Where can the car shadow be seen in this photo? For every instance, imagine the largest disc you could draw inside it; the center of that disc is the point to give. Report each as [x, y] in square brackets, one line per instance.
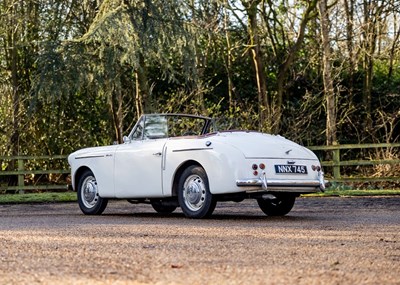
[216, 217]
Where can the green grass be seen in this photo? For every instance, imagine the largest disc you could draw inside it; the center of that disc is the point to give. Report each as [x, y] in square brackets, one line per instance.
[49, 197]
[55, 197]
[350, 193]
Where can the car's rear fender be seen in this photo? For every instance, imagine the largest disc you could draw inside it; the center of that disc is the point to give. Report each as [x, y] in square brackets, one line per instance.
[218, 160]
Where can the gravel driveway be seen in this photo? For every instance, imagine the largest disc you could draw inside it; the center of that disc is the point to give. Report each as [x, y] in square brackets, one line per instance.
[322, 241]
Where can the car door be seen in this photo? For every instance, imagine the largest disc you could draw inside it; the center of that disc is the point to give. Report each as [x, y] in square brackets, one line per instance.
[138, 169]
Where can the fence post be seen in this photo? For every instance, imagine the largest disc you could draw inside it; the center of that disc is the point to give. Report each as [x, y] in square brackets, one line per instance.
[21, 177]
[336, 162]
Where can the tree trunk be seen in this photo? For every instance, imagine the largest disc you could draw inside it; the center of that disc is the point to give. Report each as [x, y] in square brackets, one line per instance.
[276, 104]
[256, 58]
[349, 10]
[143, 91]
[142, 95]
[331, 130]
[395, 43]
[117, 113]
[14, 140]
[138, 98]
[228, 60]
[368, 45]
[372, 14]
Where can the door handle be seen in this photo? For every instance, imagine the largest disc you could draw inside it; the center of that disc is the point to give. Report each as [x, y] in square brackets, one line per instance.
[157, 154]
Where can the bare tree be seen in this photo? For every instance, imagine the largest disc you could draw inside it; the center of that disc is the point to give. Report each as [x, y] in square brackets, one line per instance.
[372, 13]
[395, 5]
[331, 132]
[349, 14]
[308, 14]
[256, 56]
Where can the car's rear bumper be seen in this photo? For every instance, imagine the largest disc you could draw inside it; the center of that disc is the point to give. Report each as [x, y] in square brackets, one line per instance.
[291, 185]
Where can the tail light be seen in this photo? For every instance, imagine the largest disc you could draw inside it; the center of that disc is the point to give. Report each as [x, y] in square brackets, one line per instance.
[316, 167]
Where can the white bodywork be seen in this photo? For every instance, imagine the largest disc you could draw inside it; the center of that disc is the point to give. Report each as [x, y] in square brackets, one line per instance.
[149, 168]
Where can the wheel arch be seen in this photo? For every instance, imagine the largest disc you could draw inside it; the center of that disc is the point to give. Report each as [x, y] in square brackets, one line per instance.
[78, 174]
[179, 172]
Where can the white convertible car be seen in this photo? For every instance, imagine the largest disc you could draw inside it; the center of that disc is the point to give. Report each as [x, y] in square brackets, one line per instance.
[175, 160]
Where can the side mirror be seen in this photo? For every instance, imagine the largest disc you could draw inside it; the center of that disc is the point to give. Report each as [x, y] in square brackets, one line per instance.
[126, 139]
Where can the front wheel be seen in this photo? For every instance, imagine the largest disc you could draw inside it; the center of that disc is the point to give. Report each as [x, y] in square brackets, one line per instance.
[88, 195]
[194, 194]
[277, 205]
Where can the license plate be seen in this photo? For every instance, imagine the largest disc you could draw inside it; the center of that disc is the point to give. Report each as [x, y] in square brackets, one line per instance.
[289, 169]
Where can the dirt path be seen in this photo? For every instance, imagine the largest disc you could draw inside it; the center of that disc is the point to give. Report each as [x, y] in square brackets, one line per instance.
[322, 241]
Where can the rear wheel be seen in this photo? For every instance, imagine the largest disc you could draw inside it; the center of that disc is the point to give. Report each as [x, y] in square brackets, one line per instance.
[277, 205]
[88, 195]
[194, 194]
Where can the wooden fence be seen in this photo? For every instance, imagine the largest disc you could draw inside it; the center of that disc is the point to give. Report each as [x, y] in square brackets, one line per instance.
[333, 167]
[26, 172]
[337, 162]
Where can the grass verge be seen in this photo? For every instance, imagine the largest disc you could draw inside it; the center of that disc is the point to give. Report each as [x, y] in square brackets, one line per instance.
[350, 193]
[49, 197]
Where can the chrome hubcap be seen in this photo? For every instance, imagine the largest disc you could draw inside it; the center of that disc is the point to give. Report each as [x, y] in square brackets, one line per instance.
[194, 192]
[89, 192]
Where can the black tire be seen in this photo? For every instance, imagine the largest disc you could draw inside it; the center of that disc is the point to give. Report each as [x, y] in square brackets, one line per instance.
[194, 195]
[163, 208]
[281, 205]
[89, 200]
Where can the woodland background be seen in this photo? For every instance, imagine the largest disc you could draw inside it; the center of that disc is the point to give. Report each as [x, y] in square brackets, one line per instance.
[79, 73]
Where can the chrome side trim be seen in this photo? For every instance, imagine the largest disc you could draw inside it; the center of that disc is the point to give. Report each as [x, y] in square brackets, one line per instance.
[164, 157]
[91, 156]
[191, 149]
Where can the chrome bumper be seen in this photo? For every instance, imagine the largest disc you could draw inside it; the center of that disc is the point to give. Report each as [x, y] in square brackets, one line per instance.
[283, 183]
